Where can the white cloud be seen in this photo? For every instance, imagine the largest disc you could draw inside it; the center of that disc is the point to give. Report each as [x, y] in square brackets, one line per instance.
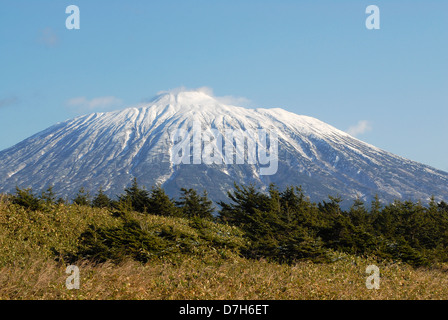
[229, 100]
[361, 127]
[237, 101]
[232, 100]
[82, 104]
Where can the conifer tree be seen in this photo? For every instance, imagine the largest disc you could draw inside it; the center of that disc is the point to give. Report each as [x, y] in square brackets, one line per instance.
[161, 204]
[331, 208]
[137, 197]
[207, 208]
[48, 196]
[82, 198]
[101, 200]
[26, 199]
[443, 206]
[193, 205]
[358, 213]
[61, 201]
[246, 199]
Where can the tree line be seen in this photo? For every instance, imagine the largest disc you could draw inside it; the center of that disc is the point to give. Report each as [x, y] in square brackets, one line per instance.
[285, 226]
[135, 198]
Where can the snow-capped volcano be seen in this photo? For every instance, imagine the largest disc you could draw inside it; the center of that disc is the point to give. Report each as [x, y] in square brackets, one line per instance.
[108, 149]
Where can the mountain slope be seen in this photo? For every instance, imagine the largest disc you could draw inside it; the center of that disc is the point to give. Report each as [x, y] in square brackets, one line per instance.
[108, 149]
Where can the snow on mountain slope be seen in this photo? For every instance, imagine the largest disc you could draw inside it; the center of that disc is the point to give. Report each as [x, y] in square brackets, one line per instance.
[108, 149]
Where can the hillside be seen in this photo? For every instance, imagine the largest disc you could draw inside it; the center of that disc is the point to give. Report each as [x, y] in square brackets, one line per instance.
[143, 256]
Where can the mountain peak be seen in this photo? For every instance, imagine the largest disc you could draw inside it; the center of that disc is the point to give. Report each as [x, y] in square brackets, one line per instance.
[184, 97]
[106, 150]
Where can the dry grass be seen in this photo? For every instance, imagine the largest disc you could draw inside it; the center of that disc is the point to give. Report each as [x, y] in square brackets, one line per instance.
[28, 269]
[239, 279]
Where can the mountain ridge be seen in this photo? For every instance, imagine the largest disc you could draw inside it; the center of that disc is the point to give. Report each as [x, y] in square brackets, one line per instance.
[108, 149]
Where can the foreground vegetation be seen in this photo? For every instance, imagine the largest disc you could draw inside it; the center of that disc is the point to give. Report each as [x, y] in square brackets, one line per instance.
[277, 245]
[196, 278]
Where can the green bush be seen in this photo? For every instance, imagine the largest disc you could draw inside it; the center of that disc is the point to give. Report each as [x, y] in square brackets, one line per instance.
[140, 240]
[115, 244]
[283, 226]
[26, 199]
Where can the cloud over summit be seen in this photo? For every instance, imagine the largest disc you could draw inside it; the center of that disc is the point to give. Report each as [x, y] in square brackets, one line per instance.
[361, 127]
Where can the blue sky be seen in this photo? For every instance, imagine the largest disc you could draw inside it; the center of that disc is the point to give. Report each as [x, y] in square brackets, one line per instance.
[317, 58]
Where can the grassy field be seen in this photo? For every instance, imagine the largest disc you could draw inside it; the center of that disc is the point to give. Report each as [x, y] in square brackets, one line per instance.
[211, 268]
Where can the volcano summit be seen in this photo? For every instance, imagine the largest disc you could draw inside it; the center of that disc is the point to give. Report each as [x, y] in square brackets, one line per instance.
[156, 144]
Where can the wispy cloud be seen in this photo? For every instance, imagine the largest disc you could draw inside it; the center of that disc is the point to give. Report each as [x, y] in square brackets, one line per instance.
[48, 37]
[232, 100]
[229, 100]
[5, 102]
[361, 127]
[82, 104]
